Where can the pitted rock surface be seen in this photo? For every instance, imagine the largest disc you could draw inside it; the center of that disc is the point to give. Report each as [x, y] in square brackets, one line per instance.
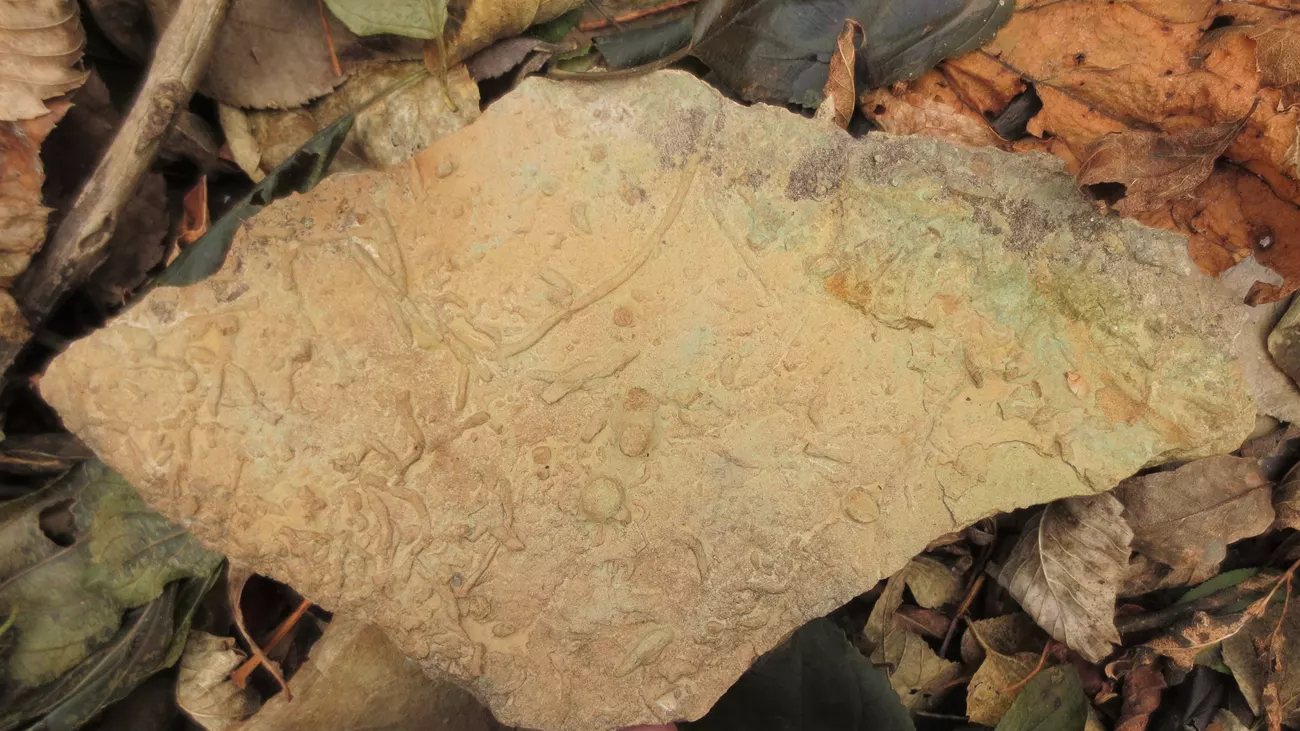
[595, 400]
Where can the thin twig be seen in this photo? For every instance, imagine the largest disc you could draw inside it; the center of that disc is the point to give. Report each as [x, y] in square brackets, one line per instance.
[329, 39]
[80, 243]
[236, 591]
[240, 676]
[961, 612]
[1037, 668]
[611, 20]
[1164, 617]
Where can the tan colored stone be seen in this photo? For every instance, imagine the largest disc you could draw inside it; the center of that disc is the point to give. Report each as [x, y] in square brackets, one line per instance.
[601, 396]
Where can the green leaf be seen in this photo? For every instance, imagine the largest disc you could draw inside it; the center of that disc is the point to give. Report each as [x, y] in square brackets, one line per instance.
[643, 45]
[151, 638]
[814, 681]
[1218, 583]
[554, 31]
[411, 18]
[73, 558]
[299, 174]
[1052, 701]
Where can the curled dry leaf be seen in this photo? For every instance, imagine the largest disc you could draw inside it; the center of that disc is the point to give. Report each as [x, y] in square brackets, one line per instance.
[40, 46]
[932, 583]
[1142, 688]
[478, 23]
[203, 687]
[1157, 167]
[1186, 518]
[1066, 569]
[928, 107]
[385, 135]
[22, 216]
[841, 96]
[1264, 657]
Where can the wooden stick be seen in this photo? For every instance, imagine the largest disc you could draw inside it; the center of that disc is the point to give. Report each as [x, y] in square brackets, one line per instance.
[80, 243]
[236, 587]
[240, 676]
[329, 39]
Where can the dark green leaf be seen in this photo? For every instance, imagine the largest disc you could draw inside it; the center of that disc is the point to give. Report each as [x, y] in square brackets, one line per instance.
[643, 45]
[815, 681]
[299, 174]
[1052, 701]
[554, 31]
[73, 558]
[151, 638]
[780, 50]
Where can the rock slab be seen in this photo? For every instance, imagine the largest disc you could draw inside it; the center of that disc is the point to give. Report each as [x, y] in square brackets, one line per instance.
[595, 400]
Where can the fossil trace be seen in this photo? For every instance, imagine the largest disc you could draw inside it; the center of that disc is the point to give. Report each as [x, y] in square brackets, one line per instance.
[598, 398]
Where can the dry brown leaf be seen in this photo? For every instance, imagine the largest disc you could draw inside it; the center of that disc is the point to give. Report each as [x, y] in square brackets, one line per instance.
[1264, 658]
[194, 214]
[40, 47]
[1157, 167]
[1008, 634]
[1286, 500]
[997, 681]
[273, 54]
[203, 687]
[928, 622]
[841, 96]
[474, 26]
[932, 583]
[1277, 53]
[1196, 634]
[1142, 687]
[881, 620]
[1066, 568]
[916, 672]
[928, 107]
[22, 216]
[1186, 518]
[1224, 720]
[385, 135]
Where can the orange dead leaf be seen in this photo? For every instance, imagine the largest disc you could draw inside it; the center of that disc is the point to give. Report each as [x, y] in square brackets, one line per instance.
[194, 214]
[1277, 55]
[841, 96]
[22, 215]
[928, 106]
[1156, 73]
[1142, 687]
[1155, 168]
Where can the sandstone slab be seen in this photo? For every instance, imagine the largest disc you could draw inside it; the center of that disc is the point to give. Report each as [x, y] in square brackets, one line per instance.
[598, 398]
